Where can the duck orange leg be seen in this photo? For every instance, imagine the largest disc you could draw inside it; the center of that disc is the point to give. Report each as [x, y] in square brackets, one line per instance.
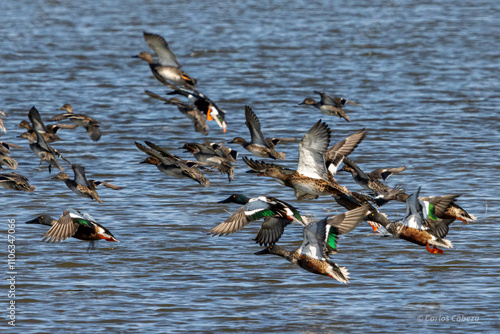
[209, 117]
[434, 249]
[437, 250]
[373, 226]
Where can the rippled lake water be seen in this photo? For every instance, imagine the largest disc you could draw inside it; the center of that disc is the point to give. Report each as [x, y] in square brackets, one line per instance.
[426, 74]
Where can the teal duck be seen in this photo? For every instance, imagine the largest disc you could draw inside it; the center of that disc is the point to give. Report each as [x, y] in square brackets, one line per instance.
[80, 185]
[171, 164]
[90, 124]
[335, 155]
[328, 105]
[5, 158]
[16, 181]
[48, 132]
[43, 150]
[371, 181]
[258, 145]
[2, 126]
[214, 156]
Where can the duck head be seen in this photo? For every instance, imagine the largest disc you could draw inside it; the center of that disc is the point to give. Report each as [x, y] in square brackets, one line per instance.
[236, 198]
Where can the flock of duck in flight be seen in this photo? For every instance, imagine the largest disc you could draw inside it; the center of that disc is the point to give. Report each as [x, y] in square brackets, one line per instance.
[426, 223]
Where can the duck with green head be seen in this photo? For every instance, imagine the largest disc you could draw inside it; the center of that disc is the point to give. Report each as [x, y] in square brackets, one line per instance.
[277, 215]
[73, 224]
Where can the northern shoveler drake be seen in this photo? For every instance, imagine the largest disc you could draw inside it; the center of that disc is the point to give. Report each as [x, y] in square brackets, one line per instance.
[80, 185]
[258, 145]
[329, 105]
[43, 150]
[73, 224]
[311, 178]
[172, 165]
[167, 70]
[276, 213]
[214, 156]
[90, 124]
[16, 181]
[453, 211]
[205, 105]
[371, 181]
[421, 225]
[312, 255]
[190, 111]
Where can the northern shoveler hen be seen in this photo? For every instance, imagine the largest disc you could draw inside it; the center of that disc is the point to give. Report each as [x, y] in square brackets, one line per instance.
[214, 156]
[311, 178]
[328, 105]
[276, 213]
[73, 224]
[258, 144]
[80, 185]
[167, 70]
[190, 111]
[312, 255]
[172, 165]
[90, 124]
[205, 105]
[421, 225]
[16, 181]
[371, 181]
